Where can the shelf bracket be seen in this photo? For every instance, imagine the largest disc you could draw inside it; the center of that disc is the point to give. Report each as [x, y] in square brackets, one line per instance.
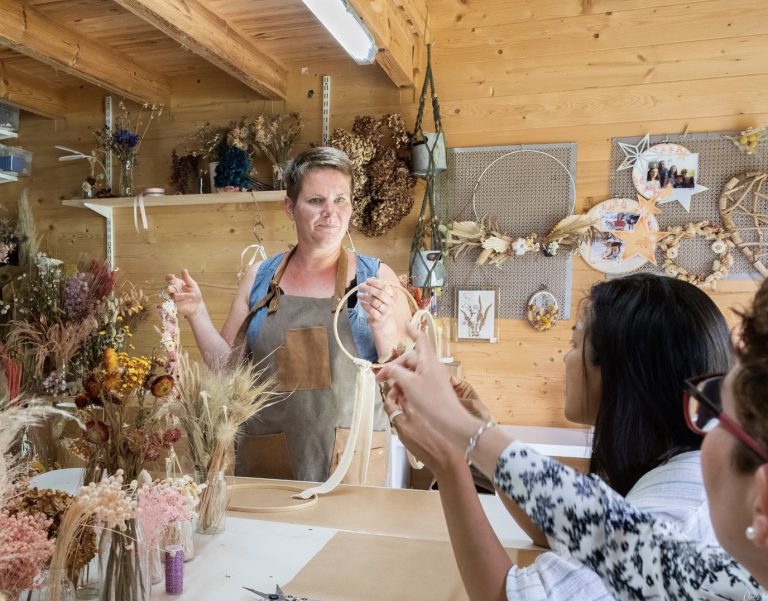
[109, 240]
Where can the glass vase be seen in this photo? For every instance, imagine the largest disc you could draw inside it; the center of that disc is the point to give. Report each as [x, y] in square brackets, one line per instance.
[212, 510]
[124, 565]
[156, 570]
[57, 586]
[181, 533]
[126, 177]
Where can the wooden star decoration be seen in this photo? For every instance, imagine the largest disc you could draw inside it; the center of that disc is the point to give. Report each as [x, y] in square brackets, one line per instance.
[632, 152]
[648, 206]
[640, 241]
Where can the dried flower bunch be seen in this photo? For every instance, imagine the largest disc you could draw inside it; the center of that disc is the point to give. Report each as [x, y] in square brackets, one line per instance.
[750, 139]
[53, 504]
[8, 241]
[24, 542]
[271, 136]
[124, 407]
[126, 137]
[213, 404]
[24, 550]
[64, 318]
[496, 247]
[383, 182]
[162, 502]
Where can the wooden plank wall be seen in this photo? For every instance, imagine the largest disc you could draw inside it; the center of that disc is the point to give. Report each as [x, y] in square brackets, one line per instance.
[508, 72]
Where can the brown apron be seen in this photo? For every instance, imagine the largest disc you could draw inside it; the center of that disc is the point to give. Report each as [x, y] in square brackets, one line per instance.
[303, 436]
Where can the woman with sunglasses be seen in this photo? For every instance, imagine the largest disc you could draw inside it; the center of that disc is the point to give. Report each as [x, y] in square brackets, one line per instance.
[636, 555]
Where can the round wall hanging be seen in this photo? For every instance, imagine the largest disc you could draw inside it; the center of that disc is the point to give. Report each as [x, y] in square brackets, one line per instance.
[609, 250]
[668, 166]
[543, 310]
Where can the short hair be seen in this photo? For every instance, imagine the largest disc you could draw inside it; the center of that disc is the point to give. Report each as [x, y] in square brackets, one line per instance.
[647, 334]
[750, 385]
[683, 171]
[318, 157]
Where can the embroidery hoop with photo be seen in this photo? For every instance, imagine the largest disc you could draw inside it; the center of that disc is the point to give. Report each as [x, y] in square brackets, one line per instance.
[652, 171]
[477, 315]
[605, 252]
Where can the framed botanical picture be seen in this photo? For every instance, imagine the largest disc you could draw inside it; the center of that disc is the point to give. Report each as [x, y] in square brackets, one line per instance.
[476, 314]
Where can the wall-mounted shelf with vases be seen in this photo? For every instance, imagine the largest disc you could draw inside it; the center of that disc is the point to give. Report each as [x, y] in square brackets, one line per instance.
[106, 206]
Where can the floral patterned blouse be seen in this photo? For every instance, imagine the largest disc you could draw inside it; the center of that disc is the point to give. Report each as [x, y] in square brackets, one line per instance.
[635, 555]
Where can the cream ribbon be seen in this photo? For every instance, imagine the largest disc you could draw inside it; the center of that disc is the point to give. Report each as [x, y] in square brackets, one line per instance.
[138, 204]
[360, 435]
[361, 431]
[258, 252]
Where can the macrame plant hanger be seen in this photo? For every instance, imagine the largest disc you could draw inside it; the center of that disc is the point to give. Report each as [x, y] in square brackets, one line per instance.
[428, 155]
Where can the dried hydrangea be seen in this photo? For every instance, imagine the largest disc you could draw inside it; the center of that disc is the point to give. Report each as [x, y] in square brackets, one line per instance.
[383, 183]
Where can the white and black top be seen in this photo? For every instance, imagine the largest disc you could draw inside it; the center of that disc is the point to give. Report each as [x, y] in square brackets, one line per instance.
[672, 492]
[636, 555]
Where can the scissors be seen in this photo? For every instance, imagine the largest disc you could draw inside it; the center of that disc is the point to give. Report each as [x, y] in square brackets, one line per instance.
[278, 595]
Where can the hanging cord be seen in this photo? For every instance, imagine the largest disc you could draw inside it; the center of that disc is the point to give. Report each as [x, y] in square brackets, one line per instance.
[428, 223]
[257, 249]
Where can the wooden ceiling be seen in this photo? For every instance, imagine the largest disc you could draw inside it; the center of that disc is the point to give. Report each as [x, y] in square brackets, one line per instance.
[136, 47]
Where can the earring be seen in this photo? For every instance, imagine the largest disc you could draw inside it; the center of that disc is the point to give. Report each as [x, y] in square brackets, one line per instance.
[750, 533]
[351, 247]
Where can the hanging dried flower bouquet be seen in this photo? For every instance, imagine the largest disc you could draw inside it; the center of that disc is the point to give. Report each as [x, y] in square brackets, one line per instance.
[379, 151]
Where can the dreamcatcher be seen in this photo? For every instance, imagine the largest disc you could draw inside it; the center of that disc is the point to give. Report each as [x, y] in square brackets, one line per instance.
[744, 211]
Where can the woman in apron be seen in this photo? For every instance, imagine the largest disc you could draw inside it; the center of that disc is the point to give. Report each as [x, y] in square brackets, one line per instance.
[285, 308]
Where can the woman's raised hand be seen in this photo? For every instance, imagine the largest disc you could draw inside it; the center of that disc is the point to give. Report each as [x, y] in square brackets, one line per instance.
[378, 299]
[419, 382]
[185, 292]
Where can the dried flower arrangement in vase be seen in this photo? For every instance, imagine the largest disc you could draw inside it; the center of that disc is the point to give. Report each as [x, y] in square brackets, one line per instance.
[213, 404]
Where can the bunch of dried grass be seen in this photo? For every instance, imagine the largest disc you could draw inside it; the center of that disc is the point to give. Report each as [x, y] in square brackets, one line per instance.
[14, 417]
[213, 404]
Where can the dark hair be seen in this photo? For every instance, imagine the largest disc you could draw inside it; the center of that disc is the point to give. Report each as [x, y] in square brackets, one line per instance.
[750, 385]
[318, 157]
[647, 334]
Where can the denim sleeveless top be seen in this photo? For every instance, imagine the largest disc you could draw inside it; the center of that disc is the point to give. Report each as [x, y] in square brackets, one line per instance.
[365, 267]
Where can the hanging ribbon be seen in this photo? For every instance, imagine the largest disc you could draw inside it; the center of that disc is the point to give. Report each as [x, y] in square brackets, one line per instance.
[361, 431]
[138, 205]
[258, 253]
[360, 434]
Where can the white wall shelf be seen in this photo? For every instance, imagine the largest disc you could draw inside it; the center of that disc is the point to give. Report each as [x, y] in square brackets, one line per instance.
[7, 134]
[105, 206]
[6, 177]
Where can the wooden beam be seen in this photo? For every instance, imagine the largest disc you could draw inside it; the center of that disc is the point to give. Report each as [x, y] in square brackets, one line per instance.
[198, 28]
[416, 16]
[392, 35]
[32, 94]
[27, 31]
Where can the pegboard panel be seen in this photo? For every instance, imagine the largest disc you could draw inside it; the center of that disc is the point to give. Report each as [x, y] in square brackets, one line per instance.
[719, 160]
[524, 192]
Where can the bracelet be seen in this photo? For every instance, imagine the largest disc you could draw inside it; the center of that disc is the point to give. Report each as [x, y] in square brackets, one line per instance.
[474, 438]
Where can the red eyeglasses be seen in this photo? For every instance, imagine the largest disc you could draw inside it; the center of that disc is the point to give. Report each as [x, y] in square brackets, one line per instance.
[703, 410]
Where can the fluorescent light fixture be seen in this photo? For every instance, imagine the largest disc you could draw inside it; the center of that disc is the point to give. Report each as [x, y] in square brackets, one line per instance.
[344, 25]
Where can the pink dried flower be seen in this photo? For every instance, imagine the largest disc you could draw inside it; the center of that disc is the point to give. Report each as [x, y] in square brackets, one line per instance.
[159, 505]
[24, 550]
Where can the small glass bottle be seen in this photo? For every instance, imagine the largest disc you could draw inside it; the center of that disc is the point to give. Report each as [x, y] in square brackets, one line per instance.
[57, 586]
